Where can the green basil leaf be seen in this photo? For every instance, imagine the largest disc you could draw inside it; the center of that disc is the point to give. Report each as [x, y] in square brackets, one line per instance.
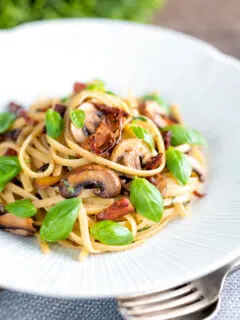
[78, 117]
[141, 118]
[143, 134]
[111, 233]
[21, 208]
[155, 97]
[54, 123]
[6, 120]
[98, 85]
[146, 199]
[60, 219]
[9, 168]
[110, 92]
[178, 164]
[64, 99]
[181, 135]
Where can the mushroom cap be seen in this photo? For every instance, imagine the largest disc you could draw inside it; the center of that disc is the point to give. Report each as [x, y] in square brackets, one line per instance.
[17, 225]
[153, 111]
[92, 121]
[131, 153]
[106, 181]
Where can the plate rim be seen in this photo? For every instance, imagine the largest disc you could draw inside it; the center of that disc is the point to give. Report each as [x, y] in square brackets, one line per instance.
[211, 50]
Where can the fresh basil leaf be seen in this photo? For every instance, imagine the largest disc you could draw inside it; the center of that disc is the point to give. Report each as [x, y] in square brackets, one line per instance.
[64, 99]
[146, 199]
[110, 92]
[97, 85]
[178, 164]
[9, 168]
[78, 117]
[143, 134]
[111, 233]
[21, 208]
[6, 120]
[181, 135]
[141, 118]
[54, 123]
[155, 97]
[60, 219]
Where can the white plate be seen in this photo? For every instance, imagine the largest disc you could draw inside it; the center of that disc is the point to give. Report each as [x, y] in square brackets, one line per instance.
[44, 59]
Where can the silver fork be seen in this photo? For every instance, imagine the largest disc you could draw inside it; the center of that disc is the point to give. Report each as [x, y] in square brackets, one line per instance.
[182, 302]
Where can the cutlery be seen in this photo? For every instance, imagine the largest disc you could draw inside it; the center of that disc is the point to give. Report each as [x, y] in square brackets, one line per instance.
[186, 302]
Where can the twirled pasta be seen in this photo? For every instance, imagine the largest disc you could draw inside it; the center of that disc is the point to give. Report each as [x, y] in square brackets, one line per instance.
[44, 159]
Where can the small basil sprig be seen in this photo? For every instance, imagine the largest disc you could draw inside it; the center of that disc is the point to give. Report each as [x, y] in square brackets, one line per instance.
[178, 164]
[78, 117]
[21, 208]
[9, 168]
[141, 118]
[6, 120]
[111, 233]
[64, 99]
[143, 134]
[97, 84]
[60, 219]
[155, 97]
[146, 199]
[181, 135]
[54, 123]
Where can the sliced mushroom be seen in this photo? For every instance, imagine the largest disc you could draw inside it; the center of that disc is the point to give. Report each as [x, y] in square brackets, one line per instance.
[153, 111]
[197, 168]
[132, 153]
[16, 225]
[118, 209]
[92, 121]
[185, 148]
[106, 181]
[160, 182]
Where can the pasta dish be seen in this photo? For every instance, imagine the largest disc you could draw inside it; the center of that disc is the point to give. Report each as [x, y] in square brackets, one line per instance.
[96, 172]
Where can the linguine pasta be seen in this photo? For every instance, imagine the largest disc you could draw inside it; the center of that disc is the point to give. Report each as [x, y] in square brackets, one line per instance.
[129, 164]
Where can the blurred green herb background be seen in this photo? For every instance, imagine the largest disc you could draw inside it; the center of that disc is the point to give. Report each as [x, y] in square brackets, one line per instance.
[14, 12]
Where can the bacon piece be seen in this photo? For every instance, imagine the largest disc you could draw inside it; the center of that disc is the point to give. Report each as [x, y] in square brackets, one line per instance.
[60, 108]
[199, 194]
[160, 182]
[154, 162]
[118, 209]
[108, 133]
[10, 135]
[167, 135]
[101, 141]
[78, 87]
[20, 112]
[10, 152]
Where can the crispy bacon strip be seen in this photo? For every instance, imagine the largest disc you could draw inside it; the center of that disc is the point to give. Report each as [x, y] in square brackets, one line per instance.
[154, 162]
[167, 135]
[60, 108]
[20, 112]
[160, 182]
[108, 133]
[10, 152]
[118, 209]
[101, 141]
[78, 87]
[10, 135]
[199, 194]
